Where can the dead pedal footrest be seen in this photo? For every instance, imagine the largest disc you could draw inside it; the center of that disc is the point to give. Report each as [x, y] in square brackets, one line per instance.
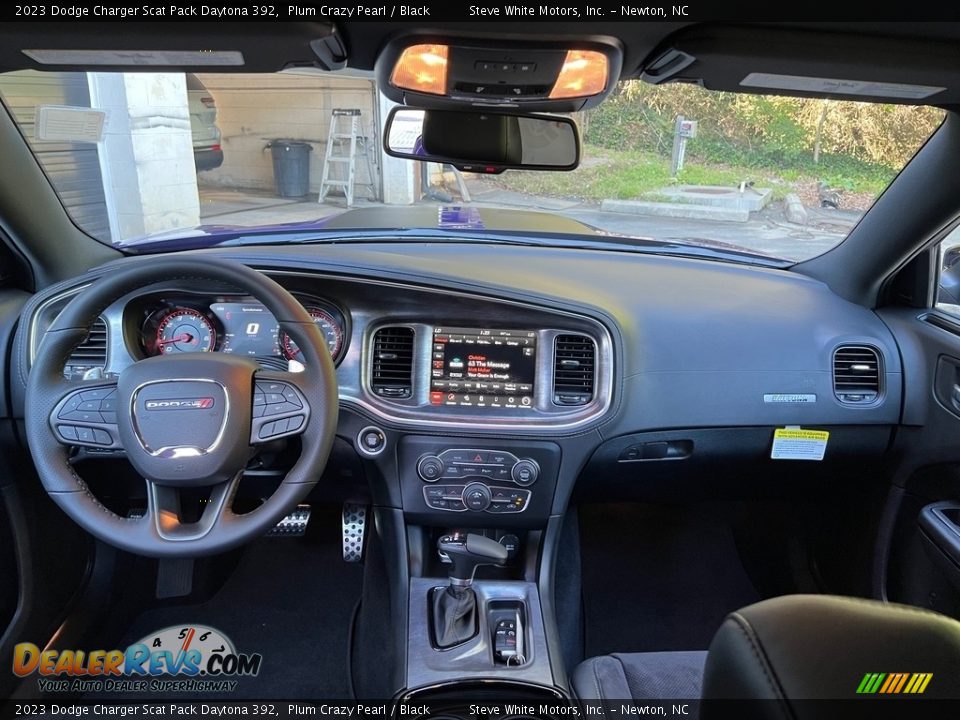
[354, 524]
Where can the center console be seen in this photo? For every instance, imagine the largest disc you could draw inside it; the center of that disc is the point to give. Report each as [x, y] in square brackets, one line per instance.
[475, 510]
[484, 420]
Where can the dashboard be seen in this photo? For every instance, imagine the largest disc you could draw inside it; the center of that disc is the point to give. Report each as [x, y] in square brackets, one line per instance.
[538, 341]
[406, 354]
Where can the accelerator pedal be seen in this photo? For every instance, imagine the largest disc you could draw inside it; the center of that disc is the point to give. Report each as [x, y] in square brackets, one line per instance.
[293, 525]
[354, 524]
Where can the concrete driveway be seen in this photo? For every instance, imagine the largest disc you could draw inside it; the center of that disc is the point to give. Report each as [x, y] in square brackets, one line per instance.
[766, 232]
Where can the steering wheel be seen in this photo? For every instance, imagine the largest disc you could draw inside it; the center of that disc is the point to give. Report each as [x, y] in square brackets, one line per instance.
[185, 420]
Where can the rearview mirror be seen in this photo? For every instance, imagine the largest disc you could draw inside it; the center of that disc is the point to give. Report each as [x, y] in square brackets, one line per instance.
[483, 142]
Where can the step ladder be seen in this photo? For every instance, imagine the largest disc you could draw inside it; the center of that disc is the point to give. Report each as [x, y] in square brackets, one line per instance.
[345, 140]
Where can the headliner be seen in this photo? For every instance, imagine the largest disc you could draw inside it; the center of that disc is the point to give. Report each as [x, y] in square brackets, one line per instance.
[921, 53]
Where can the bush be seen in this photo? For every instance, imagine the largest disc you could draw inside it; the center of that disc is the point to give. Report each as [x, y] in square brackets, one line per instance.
[858, 141]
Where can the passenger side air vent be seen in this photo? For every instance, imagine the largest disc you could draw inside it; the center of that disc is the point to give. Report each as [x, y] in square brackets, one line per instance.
[91, 353]
[574, 368]
[856, 374]
[392, 370]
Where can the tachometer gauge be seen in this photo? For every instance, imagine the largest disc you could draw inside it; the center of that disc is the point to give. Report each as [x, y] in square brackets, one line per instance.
[185, 330]
[329, 328]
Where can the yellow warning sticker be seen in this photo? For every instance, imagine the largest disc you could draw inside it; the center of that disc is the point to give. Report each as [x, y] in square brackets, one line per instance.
[792, 443]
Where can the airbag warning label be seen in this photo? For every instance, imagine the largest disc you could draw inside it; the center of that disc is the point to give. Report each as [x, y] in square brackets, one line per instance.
[799, 444]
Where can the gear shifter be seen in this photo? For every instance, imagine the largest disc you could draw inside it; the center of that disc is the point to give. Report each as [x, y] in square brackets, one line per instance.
[455, 607]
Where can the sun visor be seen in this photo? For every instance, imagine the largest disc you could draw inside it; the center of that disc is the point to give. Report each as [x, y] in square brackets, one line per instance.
[150, 47]
[809, 64]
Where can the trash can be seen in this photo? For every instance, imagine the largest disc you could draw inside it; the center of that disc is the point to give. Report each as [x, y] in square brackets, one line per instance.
[291, 167]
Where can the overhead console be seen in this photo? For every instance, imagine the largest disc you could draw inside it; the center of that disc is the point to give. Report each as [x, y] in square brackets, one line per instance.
[548, 75]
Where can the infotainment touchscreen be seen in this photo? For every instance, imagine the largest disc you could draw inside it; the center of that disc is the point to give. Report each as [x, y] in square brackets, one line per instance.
[483, 368]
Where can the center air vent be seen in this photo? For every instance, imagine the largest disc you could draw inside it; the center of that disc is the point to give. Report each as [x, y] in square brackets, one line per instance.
[574, 369]
[392, 369]
[91, 353]
[856, 374]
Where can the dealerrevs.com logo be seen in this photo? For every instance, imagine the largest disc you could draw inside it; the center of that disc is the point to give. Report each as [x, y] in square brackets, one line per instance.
[896, 683]
[182, 658]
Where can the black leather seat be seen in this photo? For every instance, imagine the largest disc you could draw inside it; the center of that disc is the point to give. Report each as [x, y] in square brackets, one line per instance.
[660, 675]
[792, 648]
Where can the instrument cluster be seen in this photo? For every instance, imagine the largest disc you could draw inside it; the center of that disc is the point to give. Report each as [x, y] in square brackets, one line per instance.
[203, 323]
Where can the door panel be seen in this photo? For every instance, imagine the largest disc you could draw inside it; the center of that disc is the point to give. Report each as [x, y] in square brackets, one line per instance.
[918, 552]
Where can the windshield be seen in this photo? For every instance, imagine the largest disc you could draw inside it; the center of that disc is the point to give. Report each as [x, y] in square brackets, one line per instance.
[142, 158]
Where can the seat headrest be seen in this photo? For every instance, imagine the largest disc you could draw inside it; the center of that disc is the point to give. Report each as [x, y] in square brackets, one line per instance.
[805, 647]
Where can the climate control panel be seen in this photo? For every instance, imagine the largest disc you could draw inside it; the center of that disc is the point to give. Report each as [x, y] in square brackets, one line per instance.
[511, 480]
[490, 464]
[476, 496]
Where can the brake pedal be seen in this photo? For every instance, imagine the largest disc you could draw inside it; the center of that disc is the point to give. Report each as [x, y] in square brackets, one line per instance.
[293, 525]
[354, 524]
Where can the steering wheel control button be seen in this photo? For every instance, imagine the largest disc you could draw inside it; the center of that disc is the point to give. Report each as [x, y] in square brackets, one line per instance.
[98, 393]
[477, 497]
[430, 468]
[272, 398]
[85, 406]
[371, 441]
[67, 432]
[82, 416]
[290, 395]
[70, 404]
[525, 472]
[282, 403]
[283, 426]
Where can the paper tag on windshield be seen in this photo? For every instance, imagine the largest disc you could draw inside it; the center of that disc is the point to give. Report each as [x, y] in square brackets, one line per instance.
[70, 124]
[793, 443]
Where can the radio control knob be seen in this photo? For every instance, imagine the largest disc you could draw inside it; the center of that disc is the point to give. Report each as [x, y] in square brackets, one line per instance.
[525, 472]
[477, 496]
[430, 468]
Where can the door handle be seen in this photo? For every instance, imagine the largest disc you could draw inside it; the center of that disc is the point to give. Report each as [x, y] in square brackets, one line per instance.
[940, 529]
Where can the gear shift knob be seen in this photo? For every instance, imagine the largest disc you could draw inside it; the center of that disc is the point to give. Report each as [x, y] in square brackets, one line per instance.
[467, 552]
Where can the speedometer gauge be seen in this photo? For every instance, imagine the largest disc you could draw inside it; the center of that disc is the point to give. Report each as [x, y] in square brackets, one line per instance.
[185, 330]
[329, 328]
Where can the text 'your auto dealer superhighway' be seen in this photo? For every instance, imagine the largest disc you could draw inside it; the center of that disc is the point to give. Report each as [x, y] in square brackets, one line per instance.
[281, 710]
